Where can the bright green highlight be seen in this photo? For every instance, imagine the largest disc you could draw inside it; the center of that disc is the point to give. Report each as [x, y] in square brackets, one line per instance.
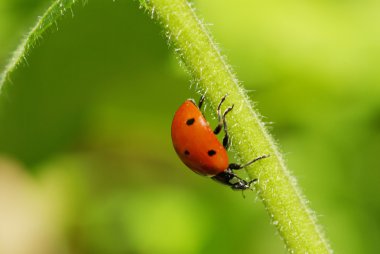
[51, 16]
[276, 187]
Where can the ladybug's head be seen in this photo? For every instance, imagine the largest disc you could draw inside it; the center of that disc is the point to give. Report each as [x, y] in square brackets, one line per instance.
[242, 184]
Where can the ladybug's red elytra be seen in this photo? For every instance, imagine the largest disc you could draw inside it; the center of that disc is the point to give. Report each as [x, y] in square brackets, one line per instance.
[198, 147]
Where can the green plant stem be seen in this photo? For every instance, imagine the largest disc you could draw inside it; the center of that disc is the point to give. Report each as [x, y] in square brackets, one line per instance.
[55, 11]
[276, 187]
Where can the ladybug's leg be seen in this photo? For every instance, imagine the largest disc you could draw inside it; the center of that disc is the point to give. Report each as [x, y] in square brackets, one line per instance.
[218, 128]
[226, 177]
[240, 184]
[234, 166]
[226, 138]
[201, 100]
[222, 122]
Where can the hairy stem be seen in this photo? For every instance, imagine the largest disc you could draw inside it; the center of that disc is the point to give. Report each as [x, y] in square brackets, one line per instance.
[276, 187]
[56, 10]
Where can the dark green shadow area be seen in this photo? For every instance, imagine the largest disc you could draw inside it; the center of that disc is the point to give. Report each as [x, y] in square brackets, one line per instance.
[107, 53]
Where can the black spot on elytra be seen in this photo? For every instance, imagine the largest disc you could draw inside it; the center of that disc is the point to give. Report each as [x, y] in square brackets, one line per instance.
[190, 121]
[187, 152]
[211, 152]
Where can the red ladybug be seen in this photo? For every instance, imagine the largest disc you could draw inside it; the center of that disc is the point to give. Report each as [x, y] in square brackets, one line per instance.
[198, 147]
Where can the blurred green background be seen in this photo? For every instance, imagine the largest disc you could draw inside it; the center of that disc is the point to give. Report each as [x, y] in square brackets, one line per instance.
[86, 161]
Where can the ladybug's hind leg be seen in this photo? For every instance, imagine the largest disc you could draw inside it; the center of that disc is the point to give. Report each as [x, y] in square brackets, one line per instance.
[201, 100]
[222, 122]
[200, 103]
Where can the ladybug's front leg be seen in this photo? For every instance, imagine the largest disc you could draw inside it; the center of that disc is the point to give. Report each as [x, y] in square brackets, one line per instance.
[226, 177]
[235, 166]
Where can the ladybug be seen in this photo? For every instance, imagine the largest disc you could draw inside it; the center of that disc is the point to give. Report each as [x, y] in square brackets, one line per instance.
[199, 148]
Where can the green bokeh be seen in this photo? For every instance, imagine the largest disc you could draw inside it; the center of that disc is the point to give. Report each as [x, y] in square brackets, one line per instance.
[94, 103]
